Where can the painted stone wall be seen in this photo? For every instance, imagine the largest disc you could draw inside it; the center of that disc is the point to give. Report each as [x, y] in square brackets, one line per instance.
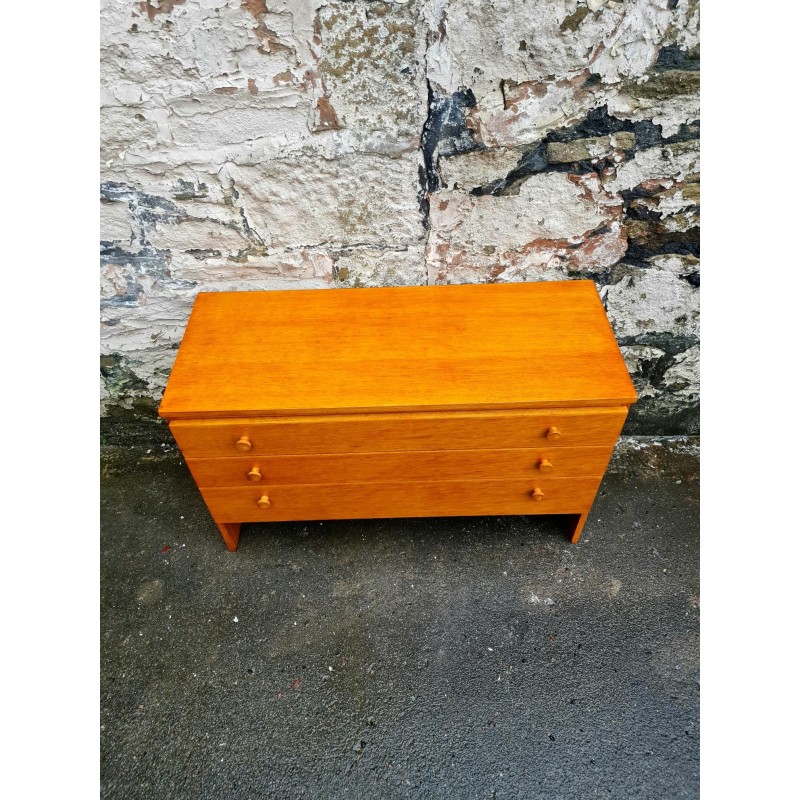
[251, 145]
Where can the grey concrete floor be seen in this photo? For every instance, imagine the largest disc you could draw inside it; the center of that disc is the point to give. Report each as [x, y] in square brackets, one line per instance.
[423, 658]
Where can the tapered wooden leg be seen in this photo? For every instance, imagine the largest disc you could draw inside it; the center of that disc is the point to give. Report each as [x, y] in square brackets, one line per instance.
[230, 533]
[576, 526]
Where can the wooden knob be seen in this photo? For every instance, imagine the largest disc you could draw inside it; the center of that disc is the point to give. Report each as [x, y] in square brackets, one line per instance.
[545, 465]
[243, 443]
[254, 474]
[537, 494]
[553, 433]
[263, 502]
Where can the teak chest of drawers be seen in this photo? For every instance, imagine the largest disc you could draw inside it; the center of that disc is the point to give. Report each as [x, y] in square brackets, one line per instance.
[401, 402]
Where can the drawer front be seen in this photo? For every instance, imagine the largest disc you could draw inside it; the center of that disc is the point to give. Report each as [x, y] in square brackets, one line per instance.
[369, 433]
[430, 465]
[421, 499]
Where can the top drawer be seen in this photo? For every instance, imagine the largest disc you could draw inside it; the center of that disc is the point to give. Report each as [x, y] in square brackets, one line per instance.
[369, 433]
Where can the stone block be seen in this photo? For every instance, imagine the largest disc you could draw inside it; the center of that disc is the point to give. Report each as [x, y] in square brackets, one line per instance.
[369, 266]
[542, 232]
[644, 301]
[117, 223]
[233, 118]
[478, 168]
[588, 149]
[371, 65]
[309, 201]
[682, 379]
[679, 161]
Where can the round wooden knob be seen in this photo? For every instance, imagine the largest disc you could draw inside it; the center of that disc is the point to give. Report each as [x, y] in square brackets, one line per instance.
[553, 433]
[254, 474]
[243, 443]
[545, 465]
[263, 502]
[537, 494]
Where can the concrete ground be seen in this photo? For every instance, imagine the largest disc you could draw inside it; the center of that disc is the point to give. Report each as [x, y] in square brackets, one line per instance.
[423, 658]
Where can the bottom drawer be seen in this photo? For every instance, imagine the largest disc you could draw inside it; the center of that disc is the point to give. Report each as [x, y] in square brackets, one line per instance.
[376, 500]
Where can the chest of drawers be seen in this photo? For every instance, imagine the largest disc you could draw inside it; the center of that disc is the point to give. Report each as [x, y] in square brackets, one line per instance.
[399, 402]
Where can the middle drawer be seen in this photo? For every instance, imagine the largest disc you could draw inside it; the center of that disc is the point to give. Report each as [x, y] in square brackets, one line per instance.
[329, 468]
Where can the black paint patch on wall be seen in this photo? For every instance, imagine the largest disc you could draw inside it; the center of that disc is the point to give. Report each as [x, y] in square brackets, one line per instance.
[115, 192]
[147, 262]
[665, 414]
[599, 122]
[422, 197]
[148, 209]
[119, 376]
[189, 191]
[692, 278]
[659, 416]
[661, 242]
[531, 163]
[445, 132]
[669, 343]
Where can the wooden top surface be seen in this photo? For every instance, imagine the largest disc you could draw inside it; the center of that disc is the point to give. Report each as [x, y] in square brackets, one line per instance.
[415, 348]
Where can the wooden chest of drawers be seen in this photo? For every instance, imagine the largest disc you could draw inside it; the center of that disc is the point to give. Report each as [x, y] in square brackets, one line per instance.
[399, 402]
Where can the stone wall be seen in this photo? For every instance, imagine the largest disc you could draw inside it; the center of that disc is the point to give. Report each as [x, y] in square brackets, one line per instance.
[252, 145]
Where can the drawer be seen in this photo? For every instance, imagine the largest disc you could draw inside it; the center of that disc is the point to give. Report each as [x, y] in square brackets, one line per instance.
[397, 499]
[429, 465]
[422, 431]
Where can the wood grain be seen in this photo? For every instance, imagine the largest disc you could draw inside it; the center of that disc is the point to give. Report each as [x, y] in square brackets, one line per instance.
[488, 346]
[428, 499]
[420, 431]
[429, 465]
